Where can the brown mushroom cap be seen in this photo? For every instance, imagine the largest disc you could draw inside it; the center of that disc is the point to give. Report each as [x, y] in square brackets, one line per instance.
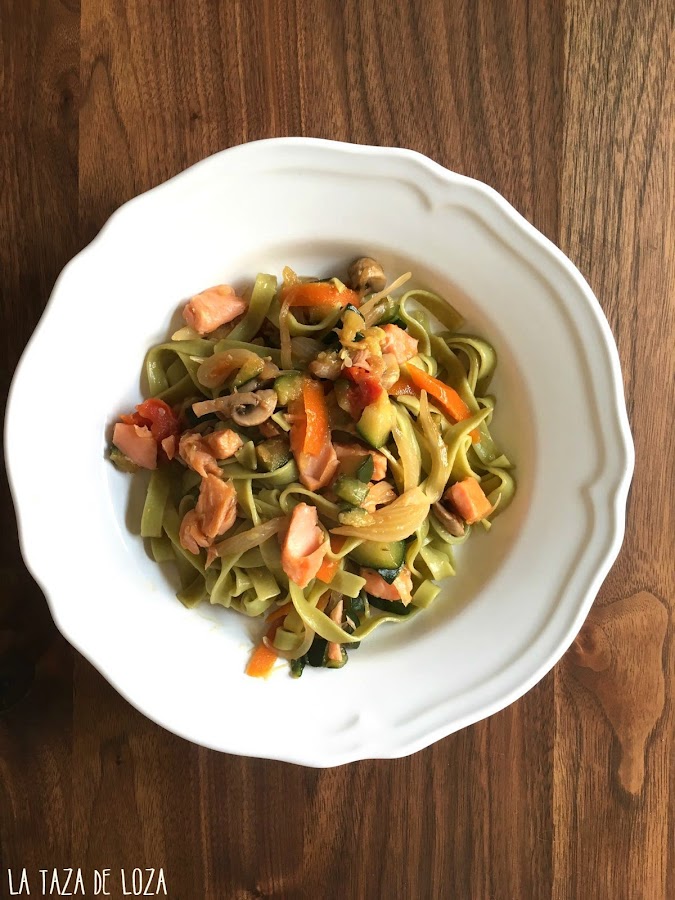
[253, 408]
[448, 519]
[366, 275]
[243, 407]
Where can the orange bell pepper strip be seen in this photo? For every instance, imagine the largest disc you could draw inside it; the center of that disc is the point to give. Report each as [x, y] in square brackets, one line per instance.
[262, 659]
[328, 569]
[330, 566]
[296, 416]
[402, 388]
[318, 293]
[317, 429]
[446, 397]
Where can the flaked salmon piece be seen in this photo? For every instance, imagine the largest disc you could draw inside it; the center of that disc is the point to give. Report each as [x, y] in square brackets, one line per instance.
[351, 456]
[224, 443]
[190, 533]
[304, 545]
[333, 650]
[362, 360]
[317, 470]
[398, 342]
[401, 589]
[170, 446]
[378, 495]
[137, 443]
[201, 453]
[214, 514]
[212, 308]
[216, 506]
[195, 455]
[469, 499]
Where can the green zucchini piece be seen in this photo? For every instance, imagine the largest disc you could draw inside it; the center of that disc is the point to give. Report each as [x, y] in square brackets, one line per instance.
[273, 454]
[351, 490]
[288, 387]
[249, 370]
[246, 456]
[376, 421]
[334, 664]
[365, 470]
[353, 515]
[341, 390]
[356, 606]
[122, 462]
[317, 652]
[389, 311]
[378, 555]
[353, 617]
[280, 419]
[389, 575]
[297, 666]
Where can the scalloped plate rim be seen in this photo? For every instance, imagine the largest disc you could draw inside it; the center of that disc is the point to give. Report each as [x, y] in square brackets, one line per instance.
[615, 494]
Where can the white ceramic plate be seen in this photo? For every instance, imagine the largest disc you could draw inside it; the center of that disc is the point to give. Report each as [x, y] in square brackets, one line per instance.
[521, 593]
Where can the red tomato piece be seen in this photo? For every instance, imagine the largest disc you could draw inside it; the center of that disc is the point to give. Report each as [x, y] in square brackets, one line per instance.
[363, 394]
[160, 418]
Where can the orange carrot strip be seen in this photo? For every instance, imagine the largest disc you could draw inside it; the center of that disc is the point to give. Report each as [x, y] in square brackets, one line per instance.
[262, 659]
[328, 569]
[296, 415]
[402, 388]
[446, 397]
[317, 431]
[469, 500]
[319, 293]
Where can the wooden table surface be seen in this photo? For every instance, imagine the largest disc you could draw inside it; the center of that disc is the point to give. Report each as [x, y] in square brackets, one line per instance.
[566, 108]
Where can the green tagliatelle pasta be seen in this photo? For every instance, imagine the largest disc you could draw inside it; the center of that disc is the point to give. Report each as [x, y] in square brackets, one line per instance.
[318, 449]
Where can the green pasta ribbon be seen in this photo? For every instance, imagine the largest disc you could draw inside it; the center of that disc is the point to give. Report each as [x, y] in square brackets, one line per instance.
[426, 450]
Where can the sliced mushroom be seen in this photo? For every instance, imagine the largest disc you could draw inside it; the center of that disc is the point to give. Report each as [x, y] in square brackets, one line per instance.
[448, 519]
[366, 275]
[243, 407]
[254, 408]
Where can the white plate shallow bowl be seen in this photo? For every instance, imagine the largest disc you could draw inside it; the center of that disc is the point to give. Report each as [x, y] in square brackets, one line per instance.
[521, 592]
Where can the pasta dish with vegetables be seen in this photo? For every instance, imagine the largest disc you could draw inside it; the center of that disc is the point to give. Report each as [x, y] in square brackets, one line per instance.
[316, 449]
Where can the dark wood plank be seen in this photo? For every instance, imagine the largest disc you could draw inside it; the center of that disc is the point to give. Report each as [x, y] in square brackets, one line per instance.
[39, 55]
[614, 737]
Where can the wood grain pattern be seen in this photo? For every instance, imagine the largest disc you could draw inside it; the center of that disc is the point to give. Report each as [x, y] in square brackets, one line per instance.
[39, 51]
[614, 728]
[566, 107]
